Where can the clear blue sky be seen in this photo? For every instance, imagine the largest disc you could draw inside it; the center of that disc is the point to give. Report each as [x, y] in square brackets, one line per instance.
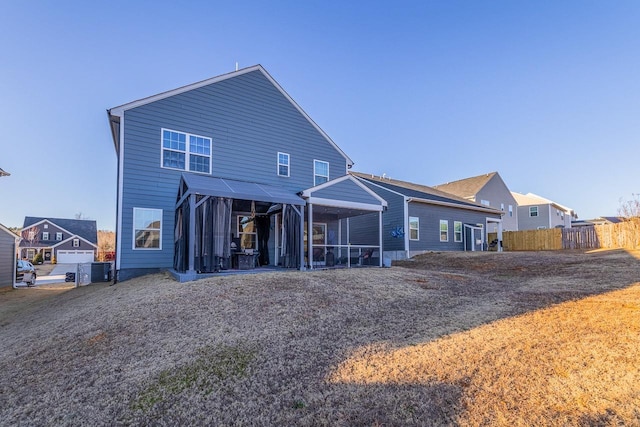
[547, 93]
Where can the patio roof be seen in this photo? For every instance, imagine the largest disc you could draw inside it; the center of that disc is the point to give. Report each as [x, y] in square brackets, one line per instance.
[234, 189]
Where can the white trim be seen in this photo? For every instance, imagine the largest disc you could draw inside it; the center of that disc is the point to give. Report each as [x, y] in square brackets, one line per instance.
[405, 217]
[288, 164]
[316, 175]
[133, 226]
[355, 180]
[344, 204]
[73, 236]
[187, 151]
[43, 235]
[119, 110]
[381, 186]
[120, 196]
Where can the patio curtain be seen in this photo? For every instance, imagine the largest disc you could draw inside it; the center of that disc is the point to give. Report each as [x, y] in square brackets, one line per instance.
[213, 234]
[290, 252]
[263, 226]
[180, 238]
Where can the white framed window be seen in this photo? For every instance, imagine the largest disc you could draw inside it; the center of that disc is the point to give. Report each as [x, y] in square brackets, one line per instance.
[185, 151]
[502, 207]
[510, 210]
[414, 228]
[533, 211]
[457, 231]
[485, 202]
[31, 253]
[283, 164]
[76, 243]
[247, 232]
[444, 230]
[320, 172]
[58, 236]
[45, 235]
[147, 228]
[46, 226]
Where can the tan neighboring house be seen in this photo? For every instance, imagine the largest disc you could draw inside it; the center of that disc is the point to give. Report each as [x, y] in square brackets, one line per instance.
[489, 190]
[536, 212]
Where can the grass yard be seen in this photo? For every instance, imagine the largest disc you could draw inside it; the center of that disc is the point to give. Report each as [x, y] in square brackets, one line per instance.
[471, 339]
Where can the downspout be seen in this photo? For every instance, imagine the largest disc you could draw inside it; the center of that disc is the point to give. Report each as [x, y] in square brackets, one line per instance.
[406, 227]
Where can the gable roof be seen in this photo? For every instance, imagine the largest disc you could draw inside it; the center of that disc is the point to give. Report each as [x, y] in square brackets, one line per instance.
[5, 229]
[84, 228]
[423, 193]
[116, 113]
[530, 199]
[468, 187]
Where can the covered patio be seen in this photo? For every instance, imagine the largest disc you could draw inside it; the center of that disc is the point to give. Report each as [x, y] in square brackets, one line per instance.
[226, 226]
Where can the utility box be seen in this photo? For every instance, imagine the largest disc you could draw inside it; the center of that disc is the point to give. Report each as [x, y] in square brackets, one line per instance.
[100, 272]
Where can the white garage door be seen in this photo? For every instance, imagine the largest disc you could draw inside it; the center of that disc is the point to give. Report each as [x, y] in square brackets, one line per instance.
[72, 257]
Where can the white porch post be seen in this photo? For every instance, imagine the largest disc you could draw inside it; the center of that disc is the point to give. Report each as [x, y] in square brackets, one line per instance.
[380, 237]
[192, 233]
[500, 236]
[310, 236]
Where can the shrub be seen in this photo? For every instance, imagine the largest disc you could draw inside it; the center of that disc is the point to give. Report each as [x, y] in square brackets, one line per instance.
[38, 258]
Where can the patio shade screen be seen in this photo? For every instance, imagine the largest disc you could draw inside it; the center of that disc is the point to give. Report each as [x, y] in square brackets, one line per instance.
[213, 234]
[180, 237]
[290, 252]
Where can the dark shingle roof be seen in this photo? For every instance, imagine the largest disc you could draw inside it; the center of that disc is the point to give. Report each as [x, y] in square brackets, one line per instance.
[85, 228]
[410, 189]
[467, 187]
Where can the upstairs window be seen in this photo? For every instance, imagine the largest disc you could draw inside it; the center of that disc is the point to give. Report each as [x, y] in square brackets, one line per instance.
[320, 172]
[45, 235]
[283, 164]
[414, 228]
[185, 151]
[511, 210]
[76, 243]
[485, 202]
[444, 230]
[58, 236]
[533, 211]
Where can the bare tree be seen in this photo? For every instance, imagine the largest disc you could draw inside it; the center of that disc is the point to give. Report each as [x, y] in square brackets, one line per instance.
[31, 235]
[106, 244]
[630, 209]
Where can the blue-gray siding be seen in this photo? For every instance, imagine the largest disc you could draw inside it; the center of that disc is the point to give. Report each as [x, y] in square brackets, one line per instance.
[392, 221]
[249, 121]
[430, 216]
[7, 258]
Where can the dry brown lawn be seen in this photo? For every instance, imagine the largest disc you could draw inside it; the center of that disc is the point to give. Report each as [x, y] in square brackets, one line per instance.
[471, 339]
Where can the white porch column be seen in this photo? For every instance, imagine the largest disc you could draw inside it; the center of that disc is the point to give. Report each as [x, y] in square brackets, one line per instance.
[192, 233]
[310, 236]
[500, 236]
[380, 237]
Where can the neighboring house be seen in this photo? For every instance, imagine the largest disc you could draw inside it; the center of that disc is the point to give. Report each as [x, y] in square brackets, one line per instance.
[489, 190]
[68, 240]
[603, 220]
[228, 164]
[8, 241]
[535, 212]
[420, 219]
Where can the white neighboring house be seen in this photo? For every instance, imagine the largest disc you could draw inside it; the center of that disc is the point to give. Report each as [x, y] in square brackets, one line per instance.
[536, 212]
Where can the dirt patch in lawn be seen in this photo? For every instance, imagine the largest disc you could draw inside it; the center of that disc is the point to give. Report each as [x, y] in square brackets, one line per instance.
[446, 339]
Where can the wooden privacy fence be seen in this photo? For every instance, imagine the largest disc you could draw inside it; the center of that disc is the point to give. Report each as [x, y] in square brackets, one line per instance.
[624, 235]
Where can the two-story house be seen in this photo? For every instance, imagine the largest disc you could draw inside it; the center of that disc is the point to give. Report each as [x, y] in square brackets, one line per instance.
[228, 166]
[536, 212]
[66, 240]
[489, 190]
